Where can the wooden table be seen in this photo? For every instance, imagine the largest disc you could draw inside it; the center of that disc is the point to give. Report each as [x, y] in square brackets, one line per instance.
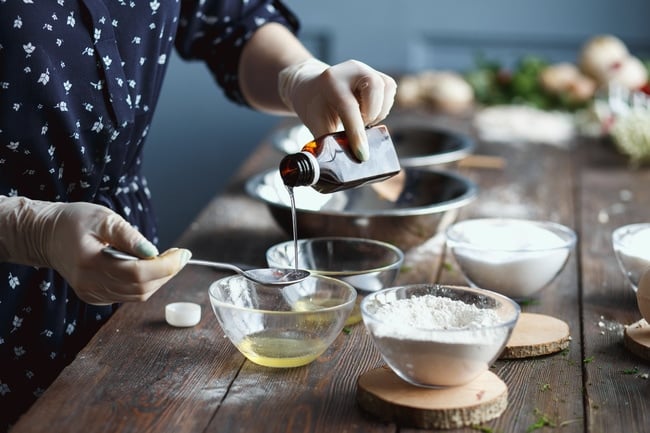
[140, 375]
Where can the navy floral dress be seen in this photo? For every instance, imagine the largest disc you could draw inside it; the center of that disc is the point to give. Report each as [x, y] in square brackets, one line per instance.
[79, 82]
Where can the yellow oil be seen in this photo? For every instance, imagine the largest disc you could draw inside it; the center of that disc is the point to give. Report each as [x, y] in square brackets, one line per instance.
[314, 304]
[282, 349]
[355, 315]
[310, 304]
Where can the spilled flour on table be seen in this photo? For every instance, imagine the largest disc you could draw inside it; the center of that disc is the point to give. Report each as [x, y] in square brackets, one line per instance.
[610, 326]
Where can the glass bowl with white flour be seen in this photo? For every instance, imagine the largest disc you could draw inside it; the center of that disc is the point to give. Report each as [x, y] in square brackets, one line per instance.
[514, 257]
[435, 336]
[631, 245]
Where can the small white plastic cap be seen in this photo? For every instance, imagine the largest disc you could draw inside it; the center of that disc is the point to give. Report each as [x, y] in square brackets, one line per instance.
[183, 314]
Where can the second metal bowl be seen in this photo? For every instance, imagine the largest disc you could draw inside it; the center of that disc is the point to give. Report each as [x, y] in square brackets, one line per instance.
[405, 210]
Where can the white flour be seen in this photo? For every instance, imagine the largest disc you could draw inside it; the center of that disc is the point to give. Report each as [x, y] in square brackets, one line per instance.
[431, 312]
[436, 341]
[435, 318]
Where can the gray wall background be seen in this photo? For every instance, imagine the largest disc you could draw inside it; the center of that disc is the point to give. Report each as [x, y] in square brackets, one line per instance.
[199, 139]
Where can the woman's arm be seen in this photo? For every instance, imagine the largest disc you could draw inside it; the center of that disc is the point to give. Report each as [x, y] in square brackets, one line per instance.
[277, 74]
[272, 48]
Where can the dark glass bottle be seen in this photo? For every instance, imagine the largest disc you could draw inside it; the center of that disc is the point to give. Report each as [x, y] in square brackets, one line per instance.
[327, 164]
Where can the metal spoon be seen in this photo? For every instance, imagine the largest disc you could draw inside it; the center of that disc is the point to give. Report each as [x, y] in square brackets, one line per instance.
[265, 276]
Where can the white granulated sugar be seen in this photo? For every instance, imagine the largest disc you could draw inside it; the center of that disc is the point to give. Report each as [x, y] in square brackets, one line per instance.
[637, 245]
[527, 259]
[634, 254]
[515, 236]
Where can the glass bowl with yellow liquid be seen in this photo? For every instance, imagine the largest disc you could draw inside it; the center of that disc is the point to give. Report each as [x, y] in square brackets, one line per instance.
[286, 326]
[368, 265]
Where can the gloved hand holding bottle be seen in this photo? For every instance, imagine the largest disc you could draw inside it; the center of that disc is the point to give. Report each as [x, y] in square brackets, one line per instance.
[351, 93]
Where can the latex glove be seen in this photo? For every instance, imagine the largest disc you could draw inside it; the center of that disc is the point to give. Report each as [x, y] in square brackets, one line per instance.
[349, 93]
[69, 237]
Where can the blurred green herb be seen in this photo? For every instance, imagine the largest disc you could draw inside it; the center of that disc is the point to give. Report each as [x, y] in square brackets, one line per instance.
[588, 359]
[633, 370]
[542, 421]
[482, 428]
[528, 302]
[347, 330]
[494, 84]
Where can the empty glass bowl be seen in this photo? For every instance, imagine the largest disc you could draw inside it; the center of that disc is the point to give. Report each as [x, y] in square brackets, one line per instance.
[514, 257]
[631, 245]
[439, 336]
[366, 264]
[285, 326]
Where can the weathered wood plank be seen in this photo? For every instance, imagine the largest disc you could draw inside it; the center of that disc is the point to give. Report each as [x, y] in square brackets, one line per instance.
[612, 194]
[536, 183]
[139, 374]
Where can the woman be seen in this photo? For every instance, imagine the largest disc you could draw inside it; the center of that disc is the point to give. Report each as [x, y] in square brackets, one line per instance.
[79, 82]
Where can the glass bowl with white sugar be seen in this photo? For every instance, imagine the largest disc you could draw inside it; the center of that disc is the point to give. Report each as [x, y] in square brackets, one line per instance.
[631, 245]
[514, 257]
[436, 336]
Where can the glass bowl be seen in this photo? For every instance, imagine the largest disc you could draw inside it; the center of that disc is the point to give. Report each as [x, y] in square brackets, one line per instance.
[631, 247]
[367, 265]
[439, 336]
[514, 257]
[286, 326]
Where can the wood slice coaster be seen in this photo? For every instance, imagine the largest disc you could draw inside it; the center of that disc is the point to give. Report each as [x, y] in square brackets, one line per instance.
[536, 335]
[383, 394]
[636, 338]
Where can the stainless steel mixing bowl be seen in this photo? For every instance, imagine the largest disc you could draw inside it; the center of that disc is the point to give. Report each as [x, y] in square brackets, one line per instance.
[405, 210]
